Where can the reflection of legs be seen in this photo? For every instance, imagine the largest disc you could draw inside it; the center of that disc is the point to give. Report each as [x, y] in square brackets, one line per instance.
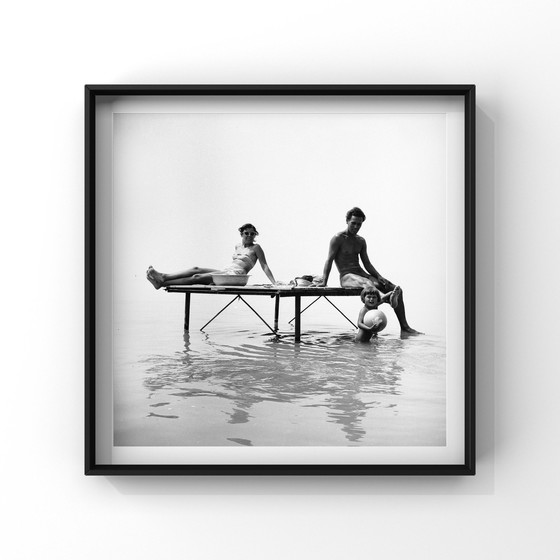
[194, 275]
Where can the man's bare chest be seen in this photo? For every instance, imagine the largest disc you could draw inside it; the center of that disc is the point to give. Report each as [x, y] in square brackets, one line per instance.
[350, 247]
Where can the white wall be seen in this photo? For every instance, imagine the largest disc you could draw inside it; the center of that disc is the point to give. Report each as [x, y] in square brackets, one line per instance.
[50, 50]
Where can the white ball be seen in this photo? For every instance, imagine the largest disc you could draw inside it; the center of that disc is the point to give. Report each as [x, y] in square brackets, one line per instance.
[376, 319]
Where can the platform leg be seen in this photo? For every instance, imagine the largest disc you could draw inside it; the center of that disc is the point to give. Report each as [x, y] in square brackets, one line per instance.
[298, 318]
[276, 312]
[355, 326]
[221, 311]
[253, 310]
[305, 308]
[187, 311]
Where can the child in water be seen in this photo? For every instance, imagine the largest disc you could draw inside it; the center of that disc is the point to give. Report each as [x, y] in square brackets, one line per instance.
[372, 299]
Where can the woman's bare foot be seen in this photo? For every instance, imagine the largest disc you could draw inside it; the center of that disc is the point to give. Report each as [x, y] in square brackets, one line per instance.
[154, 277]
[395, 298]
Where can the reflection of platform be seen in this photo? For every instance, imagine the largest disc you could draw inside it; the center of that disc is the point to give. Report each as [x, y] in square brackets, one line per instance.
[276, 292]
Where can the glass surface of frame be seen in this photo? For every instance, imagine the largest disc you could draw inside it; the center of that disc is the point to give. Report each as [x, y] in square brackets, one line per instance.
[185, 376]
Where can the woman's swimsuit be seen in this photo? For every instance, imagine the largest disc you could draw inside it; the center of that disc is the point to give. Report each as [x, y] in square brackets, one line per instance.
[244, 259]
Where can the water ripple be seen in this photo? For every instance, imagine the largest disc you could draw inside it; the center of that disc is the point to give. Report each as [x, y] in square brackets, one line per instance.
[239, 375]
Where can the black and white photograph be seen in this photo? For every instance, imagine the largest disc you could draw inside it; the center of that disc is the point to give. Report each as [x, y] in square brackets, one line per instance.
[281, 279]
[195, 196]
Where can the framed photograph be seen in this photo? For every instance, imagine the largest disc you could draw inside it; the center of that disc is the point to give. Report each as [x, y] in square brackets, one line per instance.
[280, 279]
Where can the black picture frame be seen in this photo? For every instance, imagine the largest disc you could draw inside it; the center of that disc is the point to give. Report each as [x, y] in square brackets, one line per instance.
[96, 93]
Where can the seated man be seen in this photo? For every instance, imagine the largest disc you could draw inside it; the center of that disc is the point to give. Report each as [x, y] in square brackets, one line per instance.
[345, 250]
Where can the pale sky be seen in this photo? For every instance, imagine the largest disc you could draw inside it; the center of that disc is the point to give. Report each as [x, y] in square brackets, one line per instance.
[184, 183]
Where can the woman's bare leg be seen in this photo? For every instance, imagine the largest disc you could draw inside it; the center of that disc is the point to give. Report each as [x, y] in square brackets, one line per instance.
[198, 278]
[196, 275]
[188, 273]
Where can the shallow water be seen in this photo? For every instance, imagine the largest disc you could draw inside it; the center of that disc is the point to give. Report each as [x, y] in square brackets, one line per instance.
[235, 384]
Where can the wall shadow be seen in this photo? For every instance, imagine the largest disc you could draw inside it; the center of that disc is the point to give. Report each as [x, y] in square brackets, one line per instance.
[485, 295]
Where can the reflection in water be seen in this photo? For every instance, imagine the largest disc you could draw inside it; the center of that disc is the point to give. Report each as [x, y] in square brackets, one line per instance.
[239, 416]
[278, 391]
[162, 415]
[241, 441]
[380, 375]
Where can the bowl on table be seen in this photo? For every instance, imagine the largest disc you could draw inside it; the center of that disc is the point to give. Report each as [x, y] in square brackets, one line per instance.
[230, 279]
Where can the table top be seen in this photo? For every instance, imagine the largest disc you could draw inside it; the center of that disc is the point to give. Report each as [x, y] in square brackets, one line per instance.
[264, 290]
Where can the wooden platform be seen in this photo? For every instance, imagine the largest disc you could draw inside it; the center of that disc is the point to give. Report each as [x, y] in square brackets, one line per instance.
[276, 292]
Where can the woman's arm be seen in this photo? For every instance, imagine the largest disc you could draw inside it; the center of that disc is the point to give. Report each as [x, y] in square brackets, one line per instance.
[262, 259]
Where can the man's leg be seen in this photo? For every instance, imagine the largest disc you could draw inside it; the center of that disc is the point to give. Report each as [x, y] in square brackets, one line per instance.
[357, 281]
[397, 302]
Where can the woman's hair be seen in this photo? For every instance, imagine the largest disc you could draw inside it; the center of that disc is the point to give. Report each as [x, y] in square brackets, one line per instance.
[369, 290]
[248, 226]
[355, 212]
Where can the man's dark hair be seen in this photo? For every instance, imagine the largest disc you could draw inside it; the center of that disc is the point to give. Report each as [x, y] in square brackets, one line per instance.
[355, 212]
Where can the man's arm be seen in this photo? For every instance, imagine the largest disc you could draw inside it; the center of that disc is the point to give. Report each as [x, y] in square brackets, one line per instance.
[333, 250]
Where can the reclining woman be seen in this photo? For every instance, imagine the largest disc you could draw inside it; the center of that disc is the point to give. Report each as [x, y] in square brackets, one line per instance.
[246, 255]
